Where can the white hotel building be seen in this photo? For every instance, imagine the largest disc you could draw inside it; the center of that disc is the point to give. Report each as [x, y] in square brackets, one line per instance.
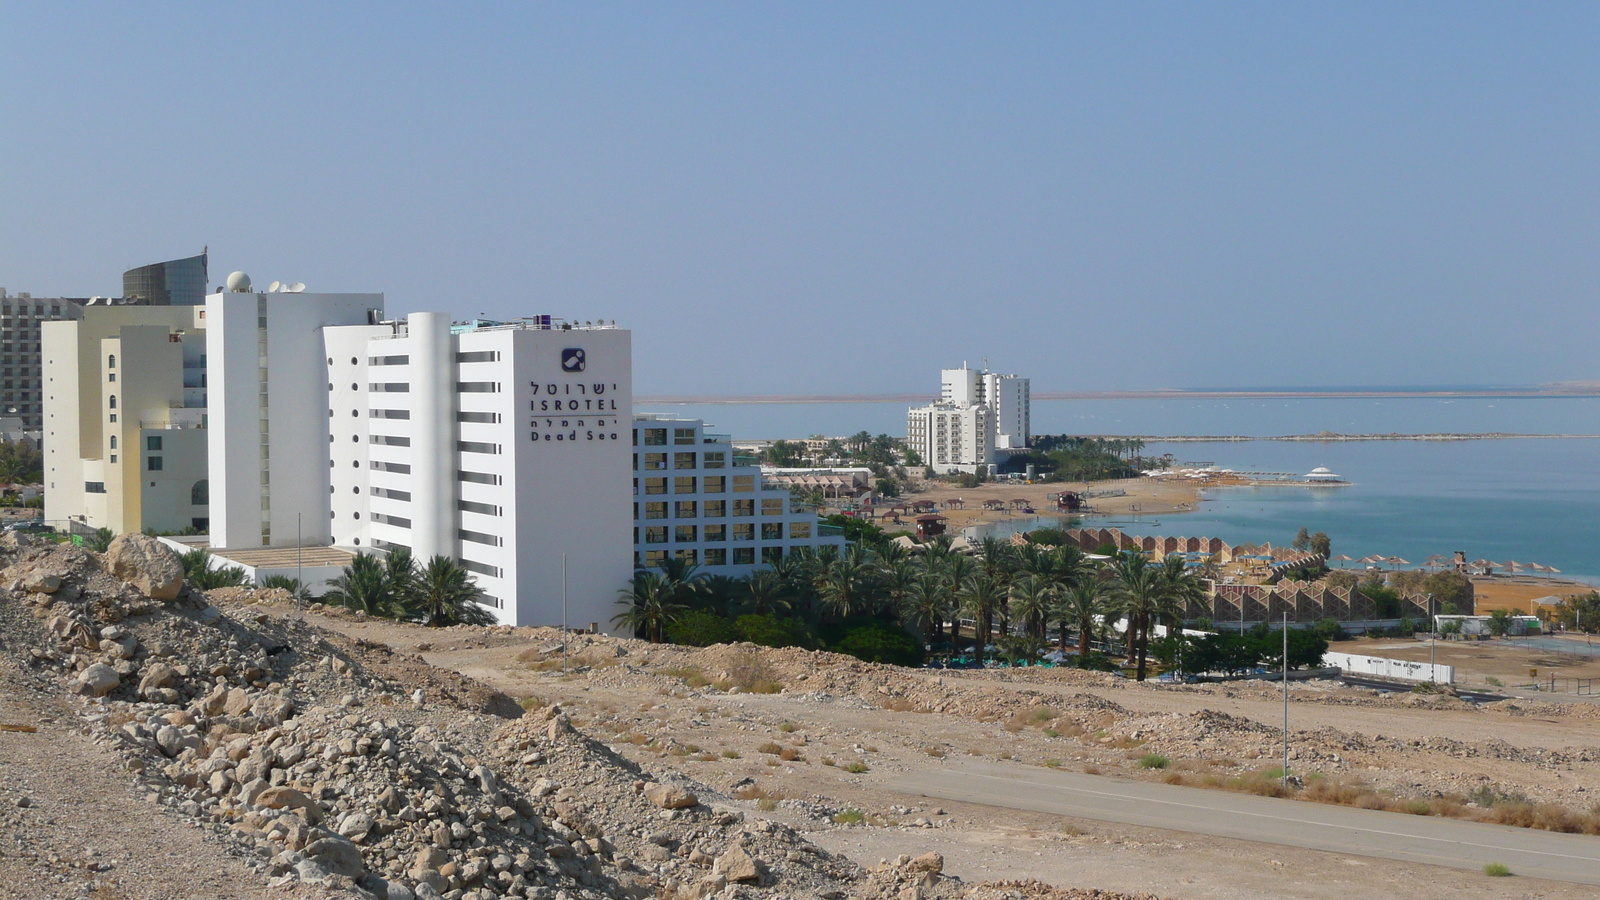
[695, 500]
[980, 418]
[499, 445]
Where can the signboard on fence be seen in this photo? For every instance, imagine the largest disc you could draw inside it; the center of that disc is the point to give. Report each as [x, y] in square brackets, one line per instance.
[1382, 667]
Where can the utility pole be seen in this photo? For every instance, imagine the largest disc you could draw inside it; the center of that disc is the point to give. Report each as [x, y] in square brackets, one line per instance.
[299, 584]
[1285, 698]
[1433, 639]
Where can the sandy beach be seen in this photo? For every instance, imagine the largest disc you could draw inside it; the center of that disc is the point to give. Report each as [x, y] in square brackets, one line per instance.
[1139, 495]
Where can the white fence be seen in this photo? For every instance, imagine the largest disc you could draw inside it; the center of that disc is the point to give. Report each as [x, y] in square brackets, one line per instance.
[1400, 669]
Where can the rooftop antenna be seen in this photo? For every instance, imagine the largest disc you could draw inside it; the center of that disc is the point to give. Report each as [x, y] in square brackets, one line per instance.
[273, 287]
[295, 288]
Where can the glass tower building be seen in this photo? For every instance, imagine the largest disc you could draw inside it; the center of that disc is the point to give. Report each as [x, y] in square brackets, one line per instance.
[177, 282]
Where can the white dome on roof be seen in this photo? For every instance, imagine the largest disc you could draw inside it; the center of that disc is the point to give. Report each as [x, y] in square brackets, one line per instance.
[1321, 470]
[239, 282]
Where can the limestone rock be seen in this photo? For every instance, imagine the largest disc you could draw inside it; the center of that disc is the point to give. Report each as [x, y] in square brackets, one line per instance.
[98, 680]
[289, 798]
[737, 865]
[41, 583]
[156, 677]
[667, 796]
[931, 863]
[338, 856]
[147, 564]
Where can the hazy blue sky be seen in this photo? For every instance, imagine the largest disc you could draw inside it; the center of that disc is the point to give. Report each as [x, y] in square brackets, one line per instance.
[805, 198]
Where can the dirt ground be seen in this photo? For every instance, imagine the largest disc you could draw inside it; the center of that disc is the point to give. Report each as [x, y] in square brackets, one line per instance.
[1514, 592]
[1511, 661]
[843, 735]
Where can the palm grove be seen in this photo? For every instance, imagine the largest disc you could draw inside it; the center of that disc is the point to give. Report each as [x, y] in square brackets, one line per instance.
[867, 599]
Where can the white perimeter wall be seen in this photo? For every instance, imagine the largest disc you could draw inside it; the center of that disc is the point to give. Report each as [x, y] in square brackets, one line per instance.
[1382, 667]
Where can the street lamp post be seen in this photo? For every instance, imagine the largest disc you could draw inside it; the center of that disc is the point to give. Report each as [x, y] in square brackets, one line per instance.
[1285, 698]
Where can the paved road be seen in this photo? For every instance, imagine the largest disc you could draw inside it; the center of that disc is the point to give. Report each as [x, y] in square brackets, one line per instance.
[1316, 826]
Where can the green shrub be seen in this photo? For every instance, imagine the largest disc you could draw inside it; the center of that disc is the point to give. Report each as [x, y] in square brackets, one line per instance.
[771, 631]
[1496, 870]
[849, 817]
[1154, 761]
[701, 628]
[874, 640]
[856, 767]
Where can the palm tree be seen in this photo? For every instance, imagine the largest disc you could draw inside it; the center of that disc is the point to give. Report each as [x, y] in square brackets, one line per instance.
[926, 603]
[1084, 600]
[844, 585]
[401, 572]
[285, 583]
[765, 593]
[897, 578]
[651, 606]
[1142, 594]
[364, 586]
[444, 593]
[980, 598]
[1031, 598]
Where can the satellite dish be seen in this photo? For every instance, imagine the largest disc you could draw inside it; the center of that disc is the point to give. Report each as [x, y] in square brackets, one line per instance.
[273, 287]
[295, 288]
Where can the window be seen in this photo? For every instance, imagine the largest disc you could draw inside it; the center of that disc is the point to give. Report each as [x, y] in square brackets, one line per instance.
[771, 507]
[399, 468]
[655, 485]
[683, 435]
[744, 507]
[655, 461]
[716, 556]
[478, 537]
[714, 484]
[744, 556]
[387, 413]
[392, 494]
[655, 534]
[389, 440]
[393, 387]
[744, 532]
[478, 387]
[94, 487]
[111, 361]
[683, 460]
[481, 569]
[655, 437]
[386, 360]
[715, 509]
[488, 509]
[477, 447]
[487, 418]
[111, 377]
[714, 459]
[478, 356]
[200, 493]
[113, 442]
[799, 530]
[770, 555]
[772, 531]
[683, 509]
[683, 534]
[688, 555]
[683, 484]
[474, 477]
[153, 463]
[743, 484]
[396, 521]
[113, 401]
[654, 558]
[715, 532]
[656, 509]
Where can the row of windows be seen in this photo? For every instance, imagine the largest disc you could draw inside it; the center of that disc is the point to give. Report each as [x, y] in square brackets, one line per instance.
[709, 509]
[689, 534]
[656, 461]
[713, 556]
[657, 437]
[686, 484]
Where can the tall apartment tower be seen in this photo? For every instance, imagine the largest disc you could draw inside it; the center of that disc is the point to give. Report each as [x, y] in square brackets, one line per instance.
[980, 416]
[504, 446]
[271, 376]
[22, 319]
[125, 398]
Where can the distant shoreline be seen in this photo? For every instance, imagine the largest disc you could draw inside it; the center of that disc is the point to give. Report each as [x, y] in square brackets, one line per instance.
[1333, 437]
[1573, 390]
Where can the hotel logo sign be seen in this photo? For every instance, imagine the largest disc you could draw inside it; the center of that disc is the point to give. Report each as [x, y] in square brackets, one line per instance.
[573, 360]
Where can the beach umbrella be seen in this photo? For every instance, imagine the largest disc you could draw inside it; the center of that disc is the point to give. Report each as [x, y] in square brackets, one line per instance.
[1538, 568]
[1552, 570]
[1398, 561]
